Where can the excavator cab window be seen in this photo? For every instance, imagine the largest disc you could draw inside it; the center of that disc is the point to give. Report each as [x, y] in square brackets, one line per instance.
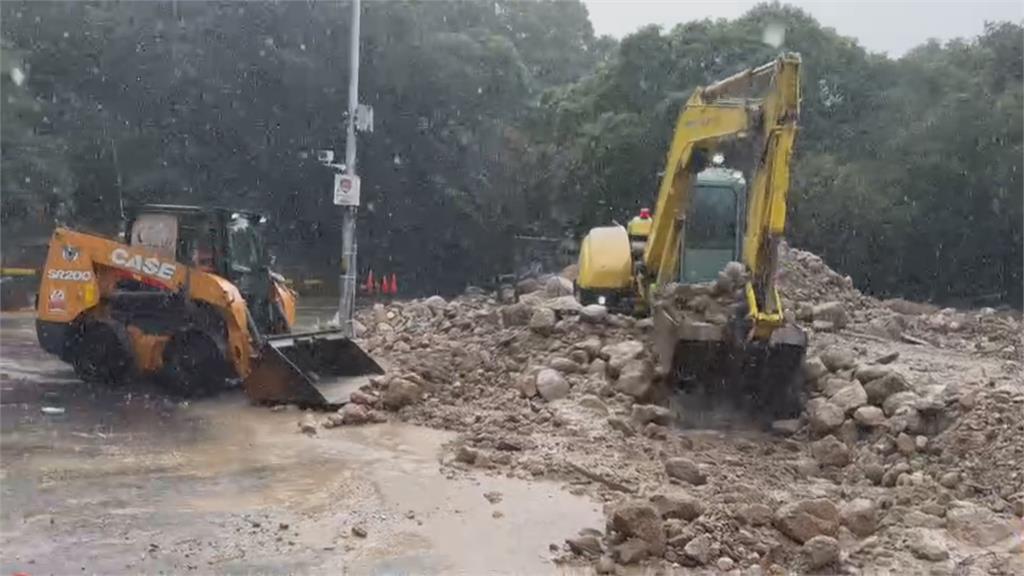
[712, 232]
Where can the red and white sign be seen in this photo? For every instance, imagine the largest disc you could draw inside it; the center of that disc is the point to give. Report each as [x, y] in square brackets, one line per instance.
[346, 190]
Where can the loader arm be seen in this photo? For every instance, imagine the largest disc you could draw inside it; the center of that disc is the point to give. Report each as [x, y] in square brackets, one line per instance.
[713, 115]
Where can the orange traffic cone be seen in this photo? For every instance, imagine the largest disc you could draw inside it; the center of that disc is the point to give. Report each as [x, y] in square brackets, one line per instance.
[384, 284]
[394, 284]
[370, 285]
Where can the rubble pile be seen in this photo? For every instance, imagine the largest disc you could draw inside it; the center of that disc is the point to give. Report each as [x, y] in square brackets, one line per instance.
[706, 302]
[905, 456]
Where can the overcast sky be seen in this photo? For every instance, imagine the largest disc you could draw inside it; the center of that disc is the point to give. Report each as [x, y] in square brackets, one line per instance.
[881, 26]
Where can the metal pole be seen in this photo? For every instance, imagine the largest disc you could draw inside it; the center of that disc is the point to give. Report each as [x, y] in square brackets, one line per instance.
[346, 304]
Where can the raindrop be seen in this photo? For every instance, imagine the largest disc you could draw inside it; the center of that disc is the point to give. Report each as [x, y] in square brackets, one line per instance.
[17, 76]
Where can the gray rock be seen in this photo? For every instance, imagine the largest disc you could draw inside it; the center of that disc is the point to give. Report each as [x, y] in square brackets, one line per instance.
[850, 397]
[725, 564]
[806, 519]
[354, 414]
[814, 368]
[905, 444]
[949, 480]
[899, 400]
[699, 549]
[677, 504]
[565, 365]
[871, 372]
[980, 526]
[829, 451]
[594, 314]
[860, 516]
[906, 419]
[644, 413]
[401, 392]
[619, 354]
[640, 519]
[527, 384]
[516, 314]
[869, 416]
[307, 425]
[542, 321]
[622, 425]
[631, 551]
[605, 565]
[786, 427]
[893, 473]
[598, 366]
[823, 416]
[829, 385]
[551, 385]
[887, 358]
[528, 285]
[874, 472]
[592, 346]
[836, 359]
[635, 380]
[881, 388]
[585, 545]
[557, 286]
[580, 357]
[756, 514]
[833, 312]
[820, 551]
[594, 404]
[685, 470]
[435, 303]
[927, 544]
[562, 304]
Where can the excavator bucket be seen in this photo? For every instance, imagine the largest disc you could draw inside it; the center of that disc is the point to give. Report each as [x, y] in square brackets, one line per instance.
[311, 369]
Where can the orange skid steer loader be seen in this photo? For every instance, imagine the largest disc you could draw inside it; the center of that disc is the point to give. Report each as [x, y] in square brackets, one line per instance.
[188, 298]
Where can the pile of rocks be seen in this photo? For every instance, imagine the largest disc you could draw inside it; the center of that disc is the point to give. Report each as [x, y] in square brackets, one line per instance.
[706, 302]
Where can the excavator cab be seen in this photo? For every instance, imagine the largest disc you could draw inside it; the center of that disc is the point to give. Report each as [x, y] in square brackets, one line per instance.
[713, 225]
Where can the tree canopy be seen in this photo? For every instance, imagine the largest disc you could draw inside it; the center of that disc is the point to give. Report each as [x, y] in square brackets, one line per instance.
[497, 118]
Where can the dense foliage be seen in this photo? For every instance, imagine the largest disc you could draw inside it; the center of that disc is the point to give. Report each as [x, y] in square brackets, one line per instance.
[500, 118]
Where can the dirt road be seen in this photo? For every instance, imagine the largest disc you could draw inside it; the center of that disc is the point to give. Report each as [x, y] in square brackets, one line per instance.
[129, 481]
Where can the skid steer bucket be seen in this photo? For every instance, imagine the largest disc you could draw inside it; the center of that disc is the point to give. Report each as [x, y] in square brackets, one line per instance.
[311, 369]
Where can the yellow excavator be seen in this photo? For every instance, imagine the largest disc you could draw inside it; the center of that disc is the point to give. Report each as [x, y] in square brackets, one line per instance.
[707, 216]
[190, 299]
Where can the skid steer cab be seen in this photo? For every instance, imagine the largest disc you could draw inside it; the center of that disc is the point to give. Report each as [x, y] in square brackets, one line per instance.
[189, 298]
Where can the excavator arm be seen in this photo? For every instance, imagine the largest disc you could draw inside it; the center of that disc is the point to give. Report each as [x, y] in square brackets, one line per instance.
[713, 115]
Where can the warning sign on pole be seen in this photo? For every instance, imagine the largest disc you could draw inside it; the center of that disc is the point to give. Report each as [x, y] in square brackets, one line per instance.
[346, 190]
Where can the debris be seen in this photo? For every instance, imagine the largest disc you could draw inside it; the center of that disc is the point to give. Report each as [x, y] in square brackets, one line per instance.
[820, 551]
[806, 519]
[927, 544]
[685, 470]
[359, 531]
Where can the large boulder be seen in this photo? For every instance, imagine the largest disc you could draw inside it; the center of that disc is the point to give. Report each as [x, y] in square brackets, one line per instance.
[806, 519]
[401, 392]
[594, 314]
[849, 397]
[635, 379]
[814, 368]
[639, 519]
[517, 314]
[884, 386]
[823, 416]
[869, 416]
[677, 504]
[619, 354]
[833, 312]
[860, 516]
[551, 385]
[542, 321]
[558, 286]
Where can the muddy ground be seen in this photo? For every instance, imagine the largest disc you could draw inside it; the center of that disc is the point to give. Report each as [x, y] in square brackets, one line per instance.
[130, 482]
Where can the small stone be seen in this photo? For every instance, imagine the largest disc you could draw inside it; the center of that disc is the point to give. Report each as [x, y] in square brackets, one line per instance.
[905, 444]
[699, 549]
[685, 470]
[833, 312]
[874, 472]
[893, 473]
[850, 397]
[605, 565]
[921, 443]
[621, 424]
[493, 497]
[466, 455]
[786, 427]
[564, 365]
[308, 425]
[639, 519]
[359, 531]
[635, 380]
[871, 372]
[869, 416]
[619, 354]
[594, 314]
[594, 404]
[860, 516]
[401, 392]
[725, 564]
[927, 544]
[581, 358]
[354, 414]
[644, 413]
[497, 514]
[551, 385]
[527, 384]
[829, 451]
[820, 551]
[949, 480]
[631, 551]
[557, 286]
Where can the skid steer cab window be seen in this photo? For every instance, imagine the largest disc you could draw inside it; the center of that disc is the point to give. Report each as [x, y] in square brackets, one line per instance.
[244, 245]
